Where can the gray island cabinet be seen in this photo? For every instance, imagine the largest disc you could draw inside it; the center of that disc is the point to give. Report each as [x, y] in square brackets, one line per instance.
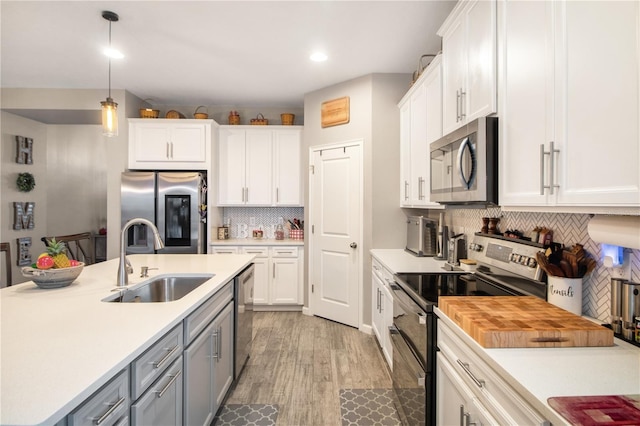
[140, 363]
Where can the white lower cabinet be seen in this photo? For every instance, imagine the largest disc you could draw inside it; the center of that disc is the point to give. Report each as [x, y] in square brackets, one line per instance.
[278, 275]
[469, 390]
[382, 309]
[109, 406]
[161, 404]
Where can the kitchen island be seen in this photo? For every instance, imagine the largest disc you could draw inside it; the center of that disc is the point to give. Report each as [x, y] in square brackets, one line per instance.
[59, 346]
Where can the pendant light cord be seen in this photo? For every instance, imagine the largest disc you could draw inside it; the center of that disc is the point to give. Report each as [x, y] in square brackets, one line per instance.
[110, 60]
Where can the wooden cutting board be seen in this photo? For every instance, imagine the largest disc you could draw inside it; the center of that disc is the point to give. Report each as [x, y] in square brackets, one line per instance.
[521, 322]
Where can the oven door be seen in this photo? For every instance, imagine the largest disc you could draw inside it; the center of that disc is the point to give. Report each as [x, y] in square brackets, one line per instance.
[409, 382]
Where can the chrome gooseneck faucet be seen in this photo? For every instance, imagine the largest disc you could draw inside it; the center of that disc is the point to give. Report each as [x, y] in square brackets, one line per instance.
[123, 274]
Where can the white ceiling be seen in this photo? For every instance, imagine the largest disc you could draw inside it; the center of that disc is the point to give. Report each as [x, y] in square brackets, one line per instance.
[245, 53]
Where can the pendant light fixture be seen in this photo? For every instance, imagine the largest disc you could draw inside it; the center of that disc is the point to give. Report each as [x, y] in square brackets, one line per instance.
[109, 107]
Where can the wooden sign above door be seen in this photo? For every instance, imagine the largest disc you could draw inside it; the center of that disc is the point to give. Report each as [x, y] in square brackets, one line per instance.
[335, 112]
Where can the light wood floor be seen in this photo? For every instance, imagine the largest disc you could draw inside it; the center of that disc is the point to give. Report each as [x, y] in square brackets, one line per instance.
[301, 363]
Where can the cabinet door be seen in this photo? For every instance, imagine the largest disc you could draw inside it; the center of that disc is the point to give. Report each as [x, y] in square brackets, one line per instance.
[377, 320]
[455, 403]
[526, 85]
[162, 403]
[223, 355]
[150, 141]
[258, 167]
[433, 86]
[453, 66]
[287, 168]
[386, 312]
[597, 102]
[199, 402]
[188, 143]
[405, 154]
[479, 99]
[261, 281]
[419, 147]
[231, 165]
[284, 281]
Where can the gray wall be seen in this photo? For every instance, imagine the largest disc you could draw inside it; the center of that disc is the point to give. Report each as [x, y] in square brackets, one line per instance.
[374, 118]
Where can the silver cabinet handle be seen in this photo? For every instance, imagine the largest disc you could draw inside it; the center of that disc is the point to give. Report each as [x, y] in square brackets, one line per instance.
[171, 149]
[378, 299]
[168, 150]
[406, 190]
[457, 106]
[463, 114]
[552, 152]
[214, 337]
[465, 367]
[166, 388]
[420, 188]
[381, 302]
[277, 195]
[246, 190]
[166, 357]
[542, 154]
[219, 343]
[109, 412]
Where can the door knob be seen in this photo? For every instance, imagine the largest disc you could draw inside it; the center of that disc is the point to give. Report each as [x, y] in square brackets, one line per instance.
[353, 245]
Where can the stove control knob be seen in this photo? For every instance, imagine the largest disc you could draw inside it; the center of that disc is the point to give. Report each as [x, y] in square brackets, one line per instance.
[512, 257]
[532, 263]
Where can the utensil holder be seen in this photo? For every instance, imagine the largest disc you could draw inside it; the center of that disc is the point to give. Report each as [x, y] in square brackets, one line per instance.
[565, 293]
[630, 308]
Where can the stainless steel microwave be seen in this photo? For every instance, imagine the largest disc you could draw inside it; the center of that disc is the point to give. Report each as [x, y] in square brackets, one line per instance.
[464, 164]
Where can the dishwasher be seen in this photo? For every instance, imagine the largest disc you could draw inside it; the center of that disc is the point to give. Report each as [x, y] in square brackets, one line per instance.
[243, 299]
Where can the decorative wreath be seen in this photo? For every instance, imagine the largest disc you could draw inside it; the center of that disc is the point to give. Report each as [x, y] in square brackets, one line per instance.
[25, 182]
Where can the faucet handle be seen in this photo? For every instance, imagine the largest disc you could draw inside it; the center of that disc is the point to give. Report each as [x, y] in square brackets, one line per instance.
[144, 271]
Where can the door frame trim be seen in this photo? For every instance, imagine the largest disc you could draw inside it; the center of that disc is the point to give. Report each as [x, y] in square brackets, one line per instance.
[312, 150]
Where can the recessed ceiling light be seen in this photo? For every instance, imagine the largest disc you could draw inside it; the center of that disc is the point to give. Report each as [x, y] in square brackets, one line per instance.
[113, 53]
[318, 57]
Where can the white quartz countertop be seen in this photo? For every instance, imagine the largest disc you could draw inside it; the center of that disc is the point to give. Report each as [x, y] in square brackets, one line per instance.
[59, 346]
[400, 261]
[539, 373]
[257, 242]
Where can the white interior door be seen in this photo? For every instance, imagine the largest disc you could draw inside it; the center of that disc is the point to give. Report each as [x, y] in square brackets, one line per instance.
[336, 218]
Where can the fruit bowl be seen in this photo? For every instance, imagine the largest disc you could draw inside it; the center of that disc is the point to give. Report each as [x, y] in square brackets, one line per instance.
[53, 278]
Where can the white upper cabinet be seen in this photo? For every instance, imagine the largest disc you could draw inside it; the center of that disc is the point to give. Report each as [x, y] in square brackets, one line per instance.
[169, 144]
[570, 121]
[259, 166]
[420, 124]
[469, 43]
[286, 171]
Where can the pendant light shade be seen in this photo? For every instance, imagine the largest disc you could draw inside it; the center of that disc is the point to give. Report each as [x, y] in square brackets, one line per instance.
[109, 107]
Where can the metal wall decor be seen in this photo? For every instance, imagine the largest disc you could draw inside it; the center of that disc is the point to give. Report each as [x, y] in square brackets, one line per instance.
[23, 215]
[24, 151]
[24, 254]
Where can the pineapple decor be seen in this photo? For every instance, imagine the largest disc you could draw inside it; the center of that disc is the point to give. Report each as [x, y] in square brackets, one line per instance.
[57, 249]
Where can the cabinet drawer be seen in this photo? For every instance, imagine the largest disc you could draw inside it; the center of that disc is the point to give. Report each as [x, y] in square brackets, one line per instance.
[109, 406]
[150, 365]
[224, 250]
[257, 251]
[500, 398]
[201, 317]
[383, 273]
[161, 404]
[284, 251]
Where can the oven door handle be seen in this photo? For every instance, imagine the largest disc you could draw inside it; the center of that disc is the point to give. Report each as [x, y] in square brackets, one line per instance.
[407, 303]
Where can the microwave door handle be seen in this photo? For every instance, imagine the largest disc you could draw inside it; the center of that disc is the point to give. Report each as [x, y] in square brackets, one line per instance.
[466, 144]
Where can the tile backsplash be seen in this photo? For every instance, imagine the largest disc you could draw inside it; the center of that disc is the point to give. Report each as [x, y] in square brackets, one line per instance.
[568, 229]
[264, 217]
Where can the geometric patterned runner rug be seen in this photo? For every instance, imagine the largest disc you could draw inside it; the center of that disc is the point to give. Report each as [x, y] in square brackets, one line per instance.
[370, 407]
[247, 415]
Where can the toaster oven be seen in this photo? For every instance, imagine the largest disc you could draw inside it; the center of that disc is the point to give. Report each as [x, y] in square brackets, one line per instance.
[421, 236]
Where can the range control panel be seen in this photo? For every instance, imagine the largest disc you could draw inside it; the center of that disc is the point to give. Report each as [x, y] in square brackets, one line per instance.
[517, 256]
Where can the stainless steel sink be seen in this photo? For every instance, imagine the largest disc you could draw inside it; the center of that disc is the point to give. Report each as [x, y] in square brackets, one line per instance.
[163, 288]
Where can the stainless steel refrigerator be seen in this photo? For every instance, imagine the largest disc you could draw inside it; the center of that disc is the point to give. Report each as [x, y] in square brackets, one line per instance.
[174, 201]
